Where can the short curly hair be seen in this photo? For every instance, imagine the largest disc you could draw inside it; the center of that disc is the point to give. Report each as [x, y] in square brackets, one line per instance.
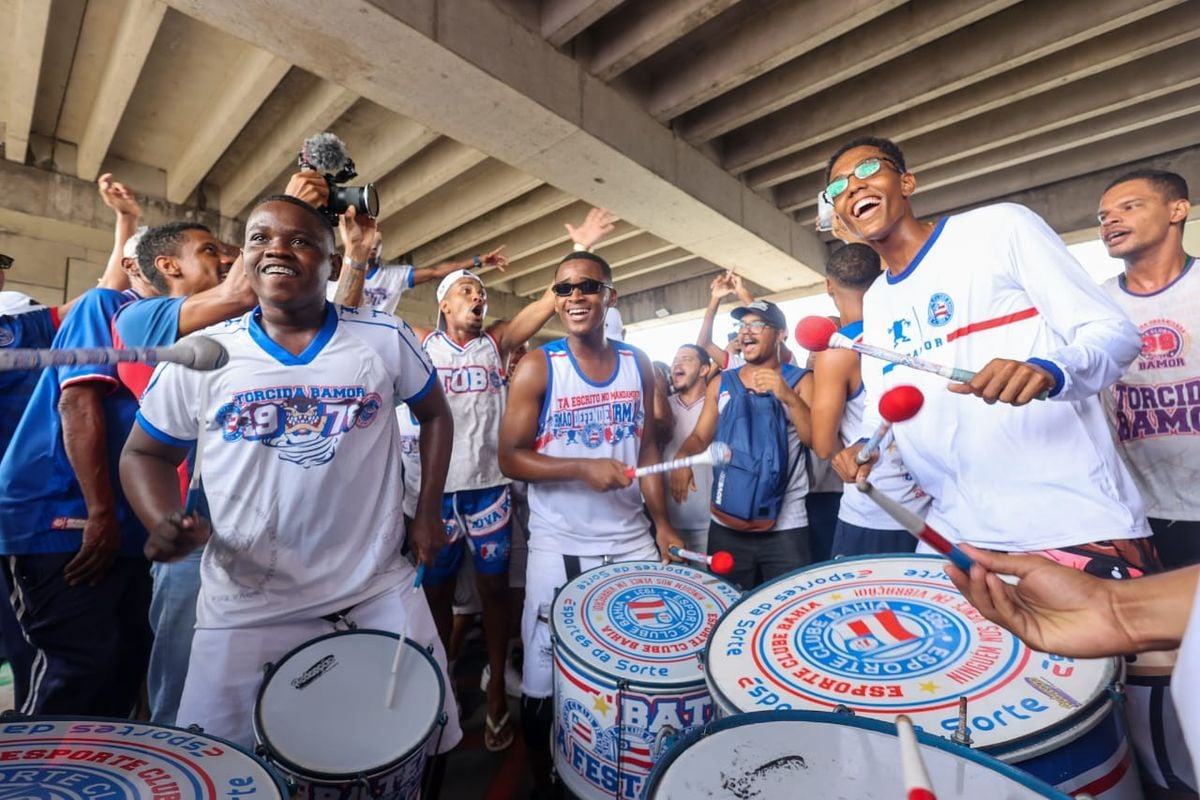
[889, 148]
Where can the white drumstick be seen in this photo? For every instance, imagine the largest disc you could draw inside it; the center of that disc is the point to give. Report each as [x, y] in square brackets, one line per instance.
[394, 678]
[917, 785]
[718, 453]
[196, 352]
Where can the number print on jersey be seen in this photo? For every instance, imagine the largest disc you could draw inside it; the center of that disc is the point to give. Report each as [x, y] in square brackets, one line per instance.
[304, 423]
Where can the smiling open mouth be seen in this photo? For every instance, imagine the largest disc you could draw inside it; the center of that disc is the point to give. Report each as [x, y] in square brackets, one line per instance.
[864, 205]
[279, 269]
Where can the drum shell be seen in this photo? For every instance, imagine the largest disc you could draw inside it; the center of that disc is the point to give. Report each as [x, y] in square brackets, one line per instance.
[954, 771]
[397, 779]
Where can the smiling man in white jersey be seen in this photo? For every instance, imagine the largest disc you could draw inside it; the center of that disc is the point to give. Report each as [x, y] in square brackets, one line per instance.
[299, 455]
[995, 290]
[579, 413]
[1155, 407]
[837, 402]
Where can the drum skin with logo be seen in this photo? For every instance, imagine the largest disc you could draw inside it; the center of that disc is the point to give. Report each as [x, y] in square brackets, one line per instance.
[321, 717]
[627, 672]
[886, 635]
[63, 758]
[782, 755]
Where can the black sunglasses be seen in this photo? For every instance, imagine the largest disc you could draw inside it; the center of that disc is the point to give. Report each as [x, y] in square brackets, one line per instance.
[585, 286]
[6, 262]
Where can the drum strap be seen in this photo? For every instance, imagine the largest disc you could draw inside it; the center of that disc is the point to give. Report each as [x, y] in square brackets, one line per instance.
[340, 617]
[571, 563]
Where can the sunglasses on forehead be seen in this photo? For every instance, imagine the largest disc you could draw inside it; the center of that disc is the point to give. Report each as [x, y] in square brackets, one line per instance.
[585, 286]
[862, 170]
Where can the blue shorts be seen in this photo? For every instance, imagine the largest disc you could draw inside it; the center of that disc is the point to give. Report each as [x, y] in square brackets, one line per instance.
[855, 540]
[480, 519]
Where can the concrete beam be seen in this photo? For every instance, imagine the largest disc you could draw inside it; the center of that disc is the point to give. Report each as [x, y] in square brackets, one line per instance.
[254, 75]
[432, 168]
[642, 29]
[667, 276]
[315, 112]
[1160, 32]
[688, 299]
[380, 141]
[552, 253]
[1030, 32]
[126, 57]
[489, 231]
[26, 46]
[718, 58]
[563, 20]
[616, 254]
[1162, 87]
[480, 190]
[535, 109]
[1138, 144]
[891, 36]
[650, 264]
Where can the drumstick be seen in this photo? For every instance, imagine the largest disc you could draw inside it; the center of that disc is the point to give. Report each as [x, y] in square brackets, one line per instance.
[917, 527]
[720, 562]
[195, 352]
[895, 405]
[916, 779]
[718, 453]
[394, 679]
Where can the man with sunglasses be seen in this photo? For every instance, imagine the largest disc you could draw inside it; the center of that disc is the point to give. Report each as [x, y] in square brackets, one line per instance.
[995, 289]
[579, 414]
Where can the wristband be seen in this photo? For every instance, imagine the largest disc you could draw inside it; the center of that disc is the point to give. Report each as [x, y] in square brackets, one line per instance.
[361, 266]
[580, 248]
[478, 262]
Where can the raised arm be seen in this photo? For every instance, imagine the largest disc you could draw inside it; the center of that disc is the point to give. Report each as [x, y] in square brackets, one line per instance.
[513, 333]
[518, 432]
[494, 259]
[596, 225]
[357, 234]
[231, 298]
[721, 287]
[121, 200]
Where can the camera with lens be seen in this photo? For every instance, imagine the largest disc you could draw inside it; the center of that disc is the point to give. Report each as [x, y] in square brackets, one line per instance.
[326, 153]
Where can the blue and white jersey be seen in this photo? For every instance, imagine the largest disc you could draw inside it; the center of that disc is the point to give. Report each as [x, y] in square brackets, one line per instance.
[582, 419]
[382, 286]
[473, 380]
[29, 327]
[997, 282]
[300, 462]
[41, 506]
[889, 475]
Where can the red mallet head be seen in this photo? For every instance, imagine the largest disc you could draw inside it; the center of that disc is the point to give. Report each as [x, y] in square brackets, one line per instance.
[814, 333]
[721, 562]
[900, 403]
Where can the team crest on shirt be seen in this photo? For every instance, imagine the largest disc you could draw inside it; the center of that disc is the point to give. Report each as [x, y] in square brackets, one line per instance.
[897, 330]
[303, 423]
[1164, 344]
[375, 296]
[941, 309]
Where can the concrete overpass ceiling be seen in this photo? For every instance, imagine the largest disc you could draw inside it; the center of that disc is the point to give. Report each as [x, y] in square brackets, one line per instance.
[704, 125]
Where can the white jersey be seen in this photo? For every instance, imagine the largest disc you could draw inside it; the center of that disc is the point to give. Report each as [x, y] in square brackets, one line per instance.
[888, 475]
[1155, 407]
[410, 457]
[793, 511]
[693, 513]
[300, 463]
[17, 303]
[472, 378]
[997, 282]
[582, 419]
[1185, 685]
[382, 286]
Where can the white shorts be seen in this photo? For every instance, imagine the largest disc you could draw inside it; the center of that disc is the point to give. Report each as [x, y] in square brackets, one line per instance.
[226, 666]
[544, 574]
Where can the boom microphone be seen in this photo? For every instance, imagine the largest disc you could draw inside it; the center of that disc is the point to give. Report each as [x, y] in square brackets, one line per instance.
[325, 152]
[195, 352]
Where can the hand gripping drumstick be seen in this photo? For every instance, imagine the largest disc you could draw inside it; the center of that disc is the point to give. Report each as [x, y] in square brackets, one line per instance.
[195, 352]
[895, 405]
[720, 562]
[394, 679]
[917, 527]
[718, 453]
[917, 785]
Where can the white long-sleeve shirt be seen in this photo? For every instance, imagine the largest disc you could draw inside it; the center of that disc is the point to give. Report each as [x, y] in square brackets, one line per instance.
[997, 282]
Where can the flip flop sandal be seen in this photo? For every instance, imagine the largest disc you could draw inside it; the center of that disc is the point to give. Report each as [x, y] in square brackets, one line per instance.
[492, 738]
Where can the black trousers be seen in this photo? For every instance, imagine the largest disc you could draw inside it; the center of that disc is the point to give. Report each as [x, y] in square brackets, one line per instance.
[759, 557]
[91, 643]
[1177, 542]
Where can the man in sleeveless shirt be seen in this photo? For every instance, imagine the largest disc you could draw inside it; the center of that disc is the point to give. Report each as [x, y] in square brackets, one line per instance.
[1155, 406]
[579, 413]
[690, 372]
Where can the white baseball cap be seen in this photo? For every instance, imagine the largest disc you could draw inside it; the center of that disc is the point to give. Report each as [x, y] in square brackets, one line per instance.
[613, 326]
[447, 282]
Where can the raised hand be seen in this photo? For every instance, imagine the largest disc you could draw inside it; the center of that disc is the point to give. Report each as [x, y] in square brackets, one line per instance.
[597, 225]
[496, 258]
[118, 196]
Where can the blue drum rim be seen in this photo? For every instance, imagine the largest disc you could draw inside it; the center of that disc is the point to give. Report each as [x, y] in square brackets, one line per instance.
[701, 654]
[832, 718]
[273, 773]
[341, 777]
[724, 702]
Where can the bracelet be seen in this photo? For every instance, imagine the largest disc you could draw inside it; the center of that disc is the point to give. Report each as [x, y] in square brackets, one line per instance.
[580, 248]
[478, 262]
[361, 266]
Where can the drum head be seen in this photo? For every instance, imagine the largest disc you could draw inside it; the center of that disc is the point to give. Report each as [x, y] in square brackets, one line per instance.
[641, 621]
[321, 711]
[891, 635]
[54, 757]
[786, 755]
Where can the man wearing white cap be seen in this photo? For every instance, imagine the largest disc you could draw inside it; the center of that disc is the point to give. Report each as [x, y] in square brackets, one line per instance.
[476, 507]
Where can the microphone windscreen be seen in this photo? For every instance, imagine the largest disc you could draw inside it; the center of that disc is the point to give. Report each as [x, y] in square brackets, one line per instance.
[326, 152]
[200, 353]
